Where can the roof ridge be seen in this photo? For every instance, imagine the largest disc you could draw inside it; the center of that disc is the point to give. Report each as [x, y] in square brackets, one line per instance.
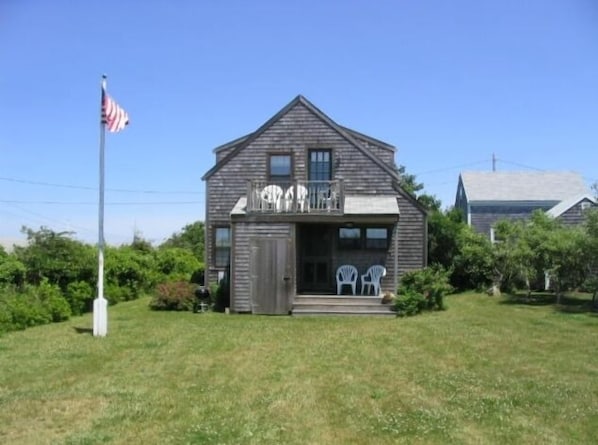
[321, 115]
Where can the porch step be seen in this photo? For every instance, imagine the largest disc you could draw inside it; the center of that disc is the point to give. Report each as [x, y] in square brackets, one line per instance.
[340, 305]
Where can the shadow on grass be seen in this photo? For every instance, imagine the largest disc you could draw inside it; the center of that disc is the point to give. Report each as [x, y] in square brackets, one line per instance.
[570, 303]
[83, 330]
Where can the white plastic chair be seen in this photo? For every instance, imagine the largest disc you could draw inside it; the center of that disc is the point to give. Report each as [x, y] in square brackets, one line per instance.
[301, 197]
[346, 274]
[271, 196]
[371, 279]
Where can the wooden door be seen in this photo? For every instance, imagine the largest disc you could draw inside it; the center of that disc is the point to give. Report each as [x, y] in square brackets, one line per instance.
[271, 278]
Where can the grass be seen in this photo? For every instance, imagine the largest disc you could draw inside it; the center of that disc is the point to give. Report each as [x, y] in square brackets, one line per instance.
[480, 372]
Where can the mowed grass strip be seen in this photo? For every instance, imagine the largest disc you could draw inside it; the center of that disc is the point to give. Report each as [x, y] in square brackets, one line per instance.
[481, 372]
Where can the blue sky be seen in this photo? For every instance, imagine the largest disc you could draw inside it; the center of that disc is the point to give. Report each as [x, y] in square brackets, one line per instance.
[447, 82]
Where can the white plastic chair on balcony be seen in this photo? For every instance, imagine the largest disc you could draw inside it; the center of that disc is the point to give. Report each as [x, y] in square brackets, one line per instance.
[301, 197]
[271, 196]
[371, 279]
[346, 274]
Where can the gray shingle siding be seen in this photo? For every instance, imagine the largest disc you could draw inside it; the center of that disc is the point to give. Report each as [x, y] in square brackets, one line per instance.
[575, 215]
[295, 133]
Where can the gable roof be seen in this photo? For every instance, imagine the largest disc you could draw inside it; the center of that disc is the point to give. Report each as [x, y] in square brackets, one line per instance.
[548, 186]
[351, 136]
[565, 205]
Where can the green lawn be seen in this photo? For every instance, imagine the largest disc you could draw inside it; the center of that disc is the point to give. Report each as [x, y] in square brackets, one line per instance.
[481, 372]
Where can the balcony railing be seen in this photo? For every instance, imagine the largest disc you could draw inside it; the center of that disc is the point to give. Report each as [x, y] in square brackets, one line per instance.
[295, 197]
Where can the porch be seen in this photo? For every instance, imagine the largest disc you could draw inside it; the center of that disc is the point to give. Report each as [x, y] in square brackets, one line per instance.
[314, 304]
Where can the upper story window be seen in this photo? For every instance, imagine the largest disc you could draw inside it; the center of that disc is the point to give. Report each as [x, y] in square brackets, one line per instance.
[280, 168]
[320, 167]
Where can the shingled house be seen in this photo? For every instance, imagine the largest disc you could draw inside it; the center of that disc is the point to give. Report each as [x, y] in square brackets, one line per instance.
[289, 203]
[486, 197]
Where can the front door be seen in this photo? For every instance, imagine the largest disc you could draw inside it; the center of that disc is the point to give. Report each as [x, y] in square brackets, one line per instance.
[315, 251]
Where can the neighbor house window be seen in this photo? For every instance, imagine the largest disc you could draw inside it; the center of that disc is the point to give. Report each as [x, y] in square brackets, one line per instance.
[349, 238]
[376, 238]
[222, 247]
[280, 168]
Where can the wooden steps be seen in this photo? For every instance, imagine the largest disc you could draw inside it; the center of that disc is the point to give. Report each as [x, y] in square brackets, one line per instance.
[341, 305]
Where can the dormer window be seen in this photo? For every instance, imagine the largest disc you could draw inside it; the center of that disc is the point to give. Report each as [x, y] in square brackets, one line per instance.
[279, 169]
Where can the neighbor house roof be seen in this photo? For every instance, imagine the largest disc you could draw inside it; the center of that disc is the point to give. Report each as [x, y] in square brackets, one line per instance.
[565, 205]
[522, 186]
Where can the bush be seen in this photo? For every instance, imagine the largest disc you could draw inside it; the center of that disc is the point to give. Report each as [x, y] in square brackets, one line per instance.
[12, 271]
[79, 295]
[31, 306]
[174, 296]
[410, 303]
[221, 295]
[423, 289]
[52, 300]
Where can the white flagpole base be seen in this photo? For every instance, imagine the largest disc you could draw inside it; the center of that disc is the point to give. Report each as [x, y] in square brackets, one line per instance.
[100, 317]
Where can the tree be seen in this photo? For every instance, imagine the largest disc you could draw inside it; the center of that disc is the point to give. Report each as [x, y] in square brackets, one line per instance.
[56, 257]
[410, 185]
[191, 237]
[12, 271]
[591, 252]
[176, 264]
[473, 264]
[512, 256]
[443, 235]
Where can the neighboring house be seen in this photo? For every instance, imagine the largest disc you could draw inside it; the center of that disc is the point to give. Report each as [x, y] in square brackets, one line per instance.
[289, 203]
[571, 211]
[486, 197]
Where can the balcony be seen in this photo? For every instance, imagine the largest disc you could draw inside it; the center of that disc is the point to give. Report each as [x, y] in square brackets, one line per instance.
[319, 197]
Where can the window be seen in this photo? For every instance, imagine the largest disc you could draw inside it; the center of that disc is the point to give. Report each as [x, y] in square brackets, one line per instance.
[320, 168]
[222, 247]
[585, 205]
[349, 238]
[376, 238]
[363, 238]
[280, 168]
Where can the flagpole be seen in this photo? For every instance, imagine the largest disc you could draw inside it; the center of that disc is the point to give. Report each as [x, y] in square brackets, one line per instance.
[100, 304]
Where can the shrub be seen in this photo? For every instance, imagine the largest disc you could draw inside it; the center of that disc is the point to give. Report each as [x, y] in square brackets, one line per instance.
[53, 301]
[174, 296]
[12, 271]
[423, 289]
[115, 293]
[410, 303]
[31, 306]
[79, 294]
[221, 296]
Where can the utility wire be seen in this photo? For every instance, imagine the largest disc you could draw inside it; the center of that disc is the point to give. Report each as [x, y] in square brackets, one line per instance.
[438, 170]
[7, 201]
[82, 187]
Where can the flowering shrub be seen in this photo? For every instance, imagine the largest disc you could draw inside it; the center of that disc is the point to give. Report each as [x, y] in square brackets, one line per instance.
[174, 296]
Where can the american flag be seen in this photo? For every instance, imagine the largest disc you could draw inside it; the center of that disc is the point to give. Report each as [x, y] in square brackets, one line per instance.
[113, 115]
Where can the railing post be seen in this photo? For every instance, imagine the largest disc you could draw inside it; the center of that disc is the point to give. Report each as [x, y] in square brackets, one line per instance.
[341, 195]
[250, 197]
